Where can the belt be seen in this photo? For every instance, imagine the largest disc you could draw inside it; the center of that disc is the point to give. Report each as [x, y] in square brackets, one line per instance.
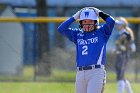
[89, 67]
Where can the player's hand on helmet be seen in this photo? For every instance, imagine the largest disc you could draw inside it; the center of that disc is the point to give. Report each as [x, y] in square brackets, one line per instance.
[96, 10]
[77, 14]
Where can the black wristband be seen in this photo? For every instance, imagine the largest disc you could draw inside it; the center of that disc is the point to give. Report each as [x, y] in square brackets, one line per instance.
[103, 15]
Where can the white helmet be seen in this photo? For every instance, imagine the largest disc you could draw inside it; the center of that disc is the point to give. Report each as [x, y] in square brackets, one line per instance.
[89, 14]
[122, 21]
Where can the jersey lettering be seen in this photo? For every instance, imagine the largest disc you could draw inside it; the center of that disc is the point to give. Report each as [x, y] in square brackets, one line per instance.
[88, 41]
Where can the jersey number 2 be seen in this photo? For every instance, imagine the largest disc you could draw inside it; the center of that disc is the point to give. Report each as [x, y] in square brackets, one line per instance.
[85, 50]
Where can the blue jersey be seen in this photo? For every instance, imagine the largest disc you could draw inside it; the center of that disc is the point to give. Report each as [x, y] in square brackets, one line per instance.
[90, 46]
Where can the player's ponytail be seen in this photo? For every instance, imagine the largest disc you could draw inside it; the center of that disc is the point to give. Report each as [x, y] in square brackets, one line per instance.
[131, 32]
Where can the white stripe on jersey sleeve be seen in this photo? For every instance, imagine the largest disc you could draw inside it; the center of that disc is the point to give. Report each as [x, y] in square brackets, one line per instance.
[100, 57]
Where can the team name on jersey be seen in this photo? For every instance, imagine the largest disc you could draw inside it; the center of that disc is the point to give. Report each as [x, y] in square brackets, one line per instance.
[88, 41]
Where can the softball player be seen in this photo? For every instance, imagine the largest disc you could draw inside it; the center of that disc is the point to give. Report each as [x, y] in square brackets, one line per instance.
[90, 41]
[124, 45]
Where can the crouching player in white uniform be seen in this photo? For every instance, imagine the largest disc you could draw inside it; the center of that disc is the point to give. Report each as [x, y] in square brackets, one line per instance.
[90, 44]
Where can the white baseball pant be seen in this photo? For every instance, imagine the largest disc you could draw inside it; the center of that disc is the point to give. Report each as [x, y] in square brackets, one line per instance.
[90, 81]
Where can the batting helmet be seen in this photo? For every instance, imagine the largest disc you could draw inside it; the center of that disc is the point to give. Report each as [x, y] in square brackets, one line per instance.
[88, 13]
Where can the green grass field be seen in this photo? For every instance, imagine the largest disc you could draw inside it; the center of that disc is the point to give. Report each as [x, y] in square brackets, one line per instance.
[59, 76]
[60, 81]
[40, 87]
